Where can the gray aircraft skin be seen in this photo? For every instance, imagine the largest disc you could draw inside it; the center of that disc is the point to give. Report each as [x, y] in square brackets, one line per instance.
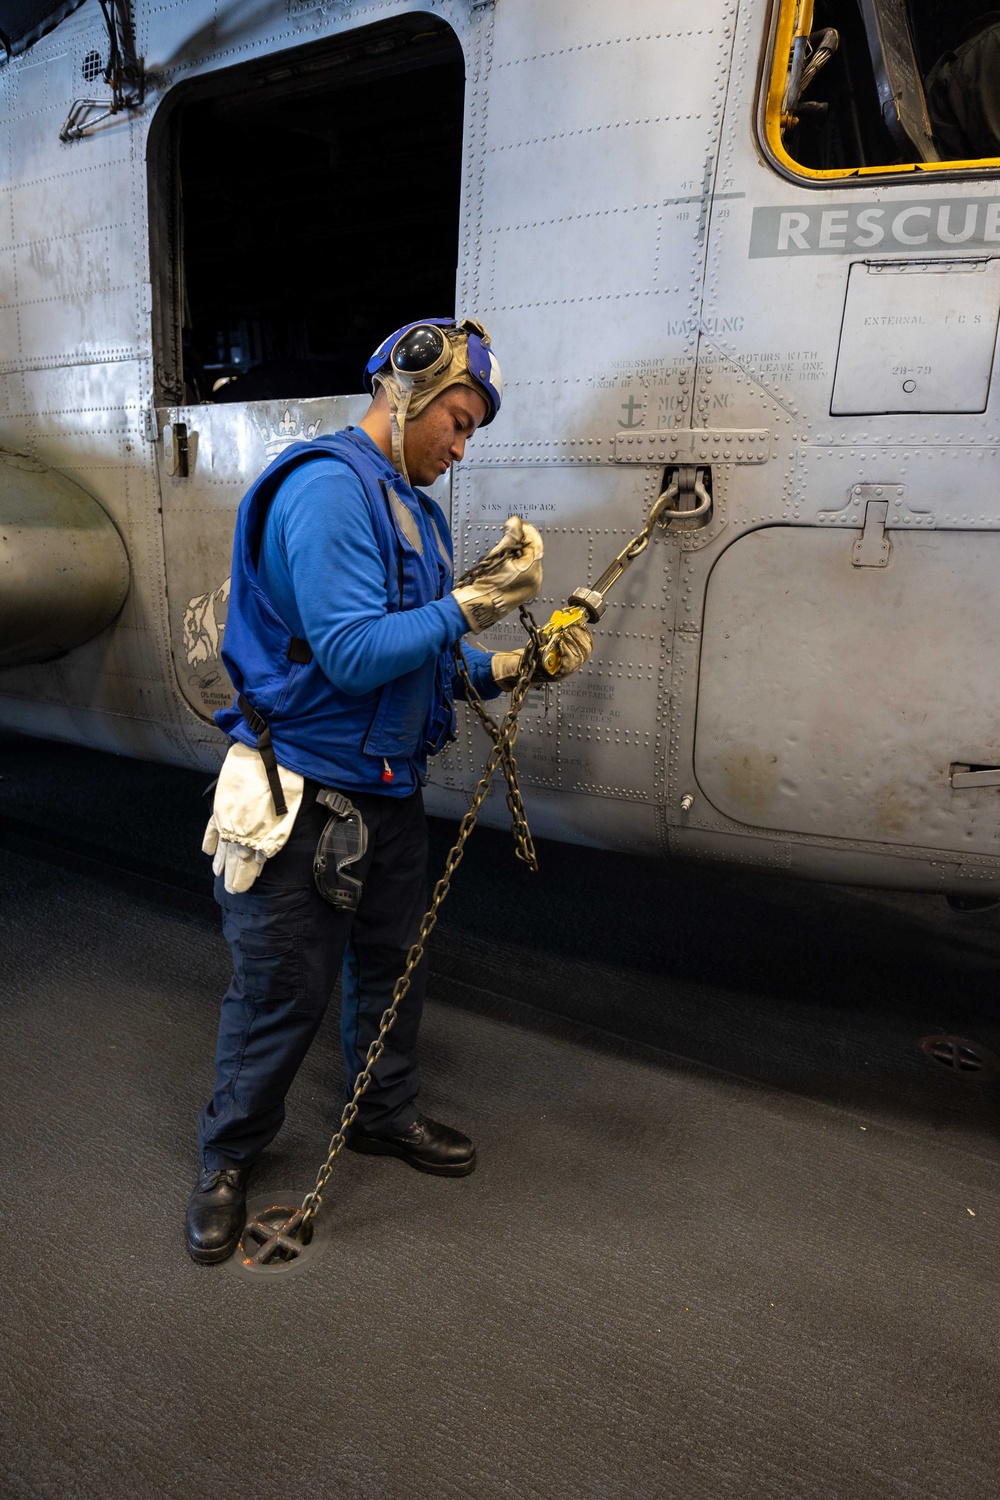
[806, 681]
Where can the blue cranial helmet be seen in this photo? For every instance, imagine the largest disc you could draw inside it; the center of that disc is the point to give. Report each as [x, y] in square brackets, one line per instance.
[425, 358]
[420, 360]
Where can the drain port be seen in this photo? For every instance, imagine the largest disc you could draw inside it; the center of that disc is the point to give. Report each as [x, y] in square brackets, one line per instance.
[960, 1058]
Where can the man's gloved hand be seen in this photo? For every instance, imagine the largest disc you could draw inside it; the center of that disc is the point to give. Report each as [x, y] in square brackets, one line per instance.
[513, 577]
[575, 645]
[238, 864]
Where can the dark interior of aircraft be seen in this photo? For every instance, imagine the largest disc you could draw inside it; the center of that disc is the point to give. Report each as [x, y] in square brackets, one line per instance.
[317, 201]
[842, 124]
[24, 22]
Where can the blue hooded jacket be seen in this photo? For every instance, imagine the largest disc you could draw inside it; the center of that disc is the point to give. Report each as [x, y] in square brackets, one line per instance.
[341, 623]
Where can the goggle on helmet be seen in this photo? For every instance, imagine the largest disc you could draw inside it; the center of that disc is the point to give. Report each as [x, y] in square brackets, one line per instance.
[419, 357]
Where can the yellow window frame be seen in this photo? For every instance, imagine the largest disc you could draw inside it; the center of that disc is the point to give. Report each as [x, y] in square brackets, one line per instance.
[795, 20]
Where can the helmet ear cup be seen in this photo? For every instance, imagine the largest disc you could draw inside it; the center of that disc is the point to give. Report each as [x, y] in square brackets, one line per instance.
[419, 351]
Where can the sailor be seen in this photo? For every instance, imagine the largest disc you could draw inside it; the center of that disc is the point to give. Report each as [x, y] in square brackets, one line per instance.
[343, 618]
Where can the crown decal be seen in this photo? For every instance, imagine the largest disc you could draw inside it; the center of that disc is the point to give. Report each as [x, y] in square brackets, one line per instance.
[290, 429]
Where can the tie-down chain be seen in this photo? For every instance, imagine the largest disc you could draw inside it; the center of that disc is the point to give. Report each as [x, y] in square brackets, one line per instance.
[265, 1240]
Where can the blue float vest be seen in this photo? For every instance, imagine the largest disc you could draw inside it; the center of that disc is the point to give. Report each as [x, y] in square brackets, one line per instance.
[276, 673]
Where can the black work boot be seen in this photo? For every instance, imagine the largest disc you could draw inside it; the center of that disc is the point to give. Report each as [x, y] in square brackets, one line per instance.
[425, 1144]
[217, 1213]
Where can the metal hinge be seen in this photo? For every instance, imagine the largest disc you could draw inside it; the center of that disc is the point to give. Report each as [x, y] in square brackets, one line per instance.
[968, 776]
[872, 548]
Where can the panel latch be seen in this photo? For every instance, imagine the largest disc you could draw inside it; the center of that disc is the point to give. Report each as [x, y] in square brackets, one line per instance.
[175, 449]
[872, 548]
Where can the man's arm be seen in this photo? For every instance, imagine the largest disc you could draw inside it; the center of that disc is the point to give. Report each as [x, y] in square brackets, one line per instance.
[479, 664]
[324, 536]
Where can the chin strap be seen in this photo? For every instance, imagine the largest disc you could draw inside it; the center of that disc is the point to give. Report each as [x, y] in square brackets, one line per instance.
[399, 405]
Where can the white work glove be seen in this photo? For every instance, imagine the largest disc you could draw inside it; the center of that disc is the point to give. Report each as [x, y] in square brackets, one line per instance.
[513, 577]
[239, 864]
[244, 829]
[575, 644]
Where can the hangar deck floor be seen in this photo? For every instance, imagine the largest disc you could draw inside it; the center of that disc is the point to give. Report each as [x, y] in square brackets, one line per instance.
[729, 1236]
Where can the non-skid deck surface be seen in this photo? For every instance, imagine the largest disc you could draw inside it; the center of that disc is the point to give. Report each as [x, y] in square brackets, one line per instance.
[664, 1280]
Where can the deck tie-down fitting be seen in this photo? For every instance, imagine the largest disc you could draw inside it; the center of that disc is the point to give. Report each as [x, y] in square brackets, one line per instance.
[276, 1232]
[269, 1240]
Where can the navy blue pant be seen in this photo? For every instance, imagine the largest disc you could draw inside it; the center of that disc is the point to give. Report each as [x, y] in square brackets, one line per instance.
[288, 946]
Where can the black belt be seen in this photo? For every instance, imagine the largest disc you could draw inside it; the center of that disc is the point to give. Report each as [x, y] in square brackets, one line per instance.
[298, 651]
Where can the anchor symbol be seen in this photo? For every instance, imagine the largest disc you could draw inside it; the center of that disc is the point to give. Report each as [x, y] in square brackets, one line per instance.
[630, 407]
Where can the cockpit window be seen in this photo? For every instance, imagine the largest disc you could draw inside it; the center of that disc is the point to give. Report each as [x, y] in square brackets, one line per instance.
[876, 87]
[300, 207]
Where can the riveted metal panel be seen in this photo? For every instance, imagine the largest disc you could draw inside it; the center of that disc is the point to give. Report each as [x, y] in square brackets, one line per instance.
[585, 240]
[693, 446]
[228, 447]
[832, 700]
[602, 732]
[917, 336]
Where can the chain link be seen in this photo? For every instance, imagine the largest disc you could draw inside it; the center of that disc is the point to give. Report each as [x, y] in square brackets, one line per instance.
[502, 753]
[524, 846]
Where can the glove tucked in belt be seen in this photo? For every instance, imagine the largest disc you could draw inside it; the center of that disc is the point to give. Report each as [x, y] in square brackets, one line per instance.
[244, 829]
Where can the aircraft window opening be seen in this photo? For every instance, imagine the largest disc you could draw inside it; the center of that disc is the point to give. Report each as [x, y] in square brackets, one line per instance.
[300, 206]
[858, 88]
